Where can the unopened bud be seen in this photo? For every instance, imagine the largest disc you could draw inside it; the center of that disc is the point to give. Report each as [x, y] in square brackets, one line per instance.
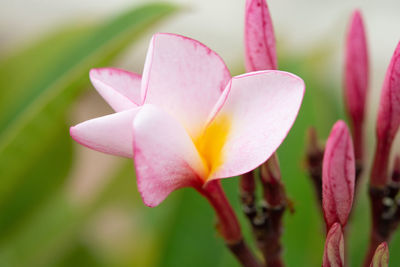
[388, 121]
[381, 256]
[356, 78]
[338, 176]
[260, 50]
[334, 247]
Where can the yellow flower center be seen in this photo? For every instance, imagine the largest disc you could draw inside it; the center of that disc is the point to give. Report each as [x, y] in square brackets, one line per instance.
[211, 142]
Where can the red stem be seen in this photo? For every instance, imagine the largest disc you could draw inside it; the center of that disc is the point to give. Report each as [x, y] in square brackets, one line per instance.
[379, 174]
[269, 238]
[274, 193]
[247, 189]
[228, 224]
[247, 183]
[358, 139]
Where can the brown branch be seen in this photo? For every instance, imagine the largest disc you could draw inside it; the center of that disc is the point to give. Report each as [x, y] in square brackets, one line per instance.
[314, 157]
[266, 222]
[385, 212]
[270, 228]
[243, 254]
[247, 195]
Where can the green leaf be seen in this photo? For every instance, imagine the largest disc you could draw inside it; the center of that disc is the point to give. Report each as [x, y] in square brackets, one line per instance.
[40, 84]
[47, 175]
[55, 230]
[80, 256]
[33, 107]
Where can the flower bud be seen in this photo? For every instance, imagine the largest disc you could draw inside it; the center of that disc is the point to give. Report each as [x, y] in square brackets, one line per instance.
[388, 121]
[259, 37]
[338, 176]
[356, 78]
[381, 256]
[334, 247]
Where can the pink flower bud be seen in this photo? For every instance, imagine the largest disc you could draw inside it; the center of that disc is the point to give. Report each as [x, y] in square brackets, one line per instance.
[338, 176]
[334, 247]
[259, 37]
[356, 78]
[381, 256]
[388, 120]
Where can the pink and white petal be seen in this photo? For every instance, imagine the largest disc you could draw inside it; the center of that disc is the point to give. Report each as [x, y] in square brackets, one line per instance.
[164, 154]
[261, 107]
[111, 134]
[120, 88]
[184, 77]
[259, 37]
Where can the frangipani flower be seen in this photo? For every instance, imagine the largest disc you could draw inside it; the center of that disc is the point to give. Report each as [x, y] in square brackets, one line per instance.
[186, 121]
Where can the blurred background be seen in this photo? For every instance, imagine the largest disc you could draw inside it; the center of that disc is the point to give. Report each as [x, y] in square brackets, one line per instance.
[64, 205]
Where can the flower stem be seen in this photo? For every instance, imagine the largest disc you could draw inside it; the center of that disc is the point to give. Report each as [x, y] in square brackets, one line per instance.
[267, 222]
[379, 172]
[383, 189]
[244, 254]
[385, 211]
[274, 191]
[228, 224]
[247, 195]
[314, 157]
[275, 202]
[358, 139]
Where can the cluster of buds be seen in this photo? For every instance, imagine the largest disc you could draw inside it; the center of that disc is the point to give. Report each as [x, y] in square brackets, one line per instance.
[384, 186]
[342, 167]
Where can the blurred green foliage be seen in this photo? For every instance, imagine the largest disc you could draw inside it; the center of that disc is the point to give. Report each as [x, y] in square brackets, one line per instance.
[41, 226]
[39, 86]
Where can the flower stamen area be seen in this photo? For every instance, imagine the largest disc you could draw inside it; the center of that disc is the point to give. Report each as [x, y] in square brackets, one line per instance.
[211, 142]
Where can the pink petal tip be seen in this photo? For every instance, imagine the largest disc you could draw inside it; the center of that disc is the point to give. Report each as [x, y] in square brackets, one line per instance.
[381, 256]
[334, 247]
[260, 48]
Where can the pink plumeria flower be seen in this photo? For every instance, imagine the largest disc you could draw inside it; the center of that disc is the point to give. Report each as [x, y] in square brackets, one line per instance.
[334, 247]
[381, 256]
[356, 78]
[259, 37]
[338, 176]
[186, 121]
